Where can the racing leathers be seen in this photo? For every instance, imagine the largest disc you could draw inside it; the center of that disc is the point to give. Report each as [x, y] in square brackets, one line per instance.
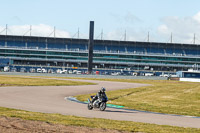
[99, 95]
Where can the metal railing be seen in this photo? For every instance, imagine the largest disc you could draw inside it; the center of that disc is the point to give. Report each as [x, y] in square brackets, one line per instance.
[100, 51]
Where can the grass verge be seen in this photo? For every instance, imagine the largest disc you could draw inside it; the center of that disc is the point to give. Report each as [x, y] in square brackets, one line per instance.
[114, 96]
[170, 97]
[31, 81]
[94, 122]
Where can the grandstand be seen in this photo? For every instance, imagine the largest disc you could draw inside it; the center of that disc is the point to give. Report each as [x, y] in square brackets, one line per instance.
[32, 51]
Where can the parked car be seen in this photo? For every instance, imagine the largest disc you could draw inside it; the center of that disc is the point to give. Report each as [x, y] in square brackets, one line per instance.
[148, 74]
[164, 75]
[6, 69]
[32, 70]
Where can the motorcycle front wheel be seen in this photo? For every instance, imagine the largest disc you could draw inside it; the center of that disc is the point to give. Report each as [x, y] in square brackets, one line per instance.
[102, 106]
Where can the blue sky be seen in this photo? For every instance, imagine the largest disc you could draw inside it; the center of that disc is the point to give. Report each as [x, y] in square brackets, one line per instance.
[137, 17]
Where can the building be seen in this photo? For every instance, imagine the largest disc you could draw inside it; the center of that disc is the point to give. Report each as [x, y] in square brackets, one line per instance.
[191, 75]
[50, 52]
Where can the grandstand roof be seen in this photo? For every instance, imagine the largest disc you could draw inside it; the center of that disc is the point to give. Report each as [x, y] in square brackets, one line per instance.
[103, 42]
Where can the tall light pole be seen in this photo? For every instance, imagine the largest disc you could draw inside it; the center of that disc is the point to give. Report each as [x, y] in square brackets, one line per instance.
[90, 46]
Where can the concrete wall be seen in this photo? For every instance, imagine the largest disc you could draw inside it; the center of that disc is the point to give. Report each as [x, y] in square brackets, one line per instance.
[86, 76]
[190, 79]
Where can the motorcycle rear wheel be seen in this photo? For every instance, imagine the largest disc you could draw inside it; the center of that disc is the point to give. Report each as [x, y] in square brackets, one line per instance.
[90, 106]
[102, 106]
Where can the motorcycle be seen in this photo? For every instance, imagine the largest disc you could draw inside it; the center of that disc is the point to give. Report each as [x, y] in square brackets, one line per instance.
[99, 103]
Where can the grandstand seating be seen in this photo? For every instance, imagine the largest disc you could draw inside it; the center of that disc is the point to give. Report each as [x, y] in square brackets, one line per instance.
[76, 46]
[99, 47]
[2, 43]
[112, 48]
[15, 44]
[191, 52]
[178, 51]
[36, 45]
[56, 46]
[169, 50]
[155, 50]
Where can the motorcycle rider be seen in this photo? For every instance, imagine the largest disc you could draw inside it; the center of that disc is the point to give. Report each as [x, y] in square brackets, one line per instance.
[100, 94]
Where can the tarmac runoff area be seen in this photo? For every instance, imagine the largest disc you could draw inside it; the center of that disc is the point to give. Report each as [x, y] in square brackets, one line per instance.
[52, 99]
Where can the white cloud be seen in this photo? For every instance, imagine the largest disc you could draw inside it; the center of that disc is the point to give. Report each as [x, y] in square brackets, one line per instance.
[163, 29]
[37, 30]
[127, 19]
[131, 34]
[197, 17]
[114, 35]
[131, 18]
[182, 29]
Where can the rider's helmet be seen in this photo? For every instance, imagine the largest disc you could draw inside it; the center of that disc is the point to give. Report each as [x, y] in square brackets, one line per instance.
[103, 89]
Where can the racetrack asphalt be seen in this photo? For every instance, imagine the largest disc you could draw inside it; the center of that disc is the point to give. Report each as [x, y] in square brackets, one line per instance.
[50, 99]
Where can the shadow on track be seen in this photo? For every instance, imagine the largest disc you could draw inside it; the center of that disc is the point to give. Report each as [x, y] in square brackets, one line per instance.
[118, 111]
